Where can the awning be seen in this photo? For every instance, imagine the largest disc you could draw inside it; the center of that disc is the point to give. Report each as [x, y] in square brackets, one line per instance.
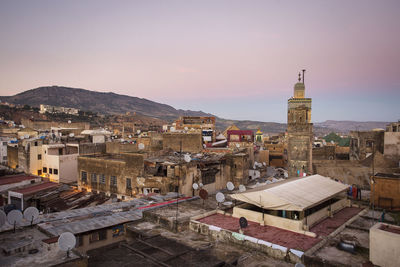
[293, 194]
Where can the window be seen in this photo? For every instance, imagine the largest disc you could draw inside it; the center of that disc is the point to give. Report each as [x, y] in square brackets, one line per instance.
[128, 183]
[84, 176]
[36, 143]
[79, 241]
[39, 156]
[102, 178]
[39, 172]
[56, 171]
[97, 236]
[113, 181]
[4, 157]
[4, 143]
[208, 176]
[94, 178]
[44, 169]
[50, 170]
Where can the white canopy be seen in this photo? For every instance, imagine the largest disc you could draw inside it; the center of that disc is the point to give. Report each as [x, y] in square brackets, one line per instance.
[293, 194]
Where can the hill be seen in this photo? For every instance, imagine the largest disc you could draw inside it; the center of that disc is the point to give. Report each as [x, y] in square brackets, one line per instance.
[111, 103]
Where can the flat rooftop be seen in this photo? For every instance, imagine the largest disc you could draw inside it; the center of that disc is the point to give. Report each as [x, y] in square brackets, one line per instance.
[328, 225]
[267, 233]
[16, 179]
[36, 188]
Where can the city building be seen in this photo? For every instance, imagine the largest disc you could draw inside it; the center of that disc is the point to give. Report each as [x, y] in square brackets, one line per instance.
[59, 162]
[300, 132]
[392, 141]
[364, 143]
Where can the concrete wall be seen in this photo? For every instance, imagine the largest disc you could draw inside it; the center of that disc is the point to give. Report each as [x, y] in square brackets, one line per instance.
[384, 249]
[392, 144]
[386, 192]
[12, 155]
[271, 220]
[68, 172]
[191, 142]
[98, 244]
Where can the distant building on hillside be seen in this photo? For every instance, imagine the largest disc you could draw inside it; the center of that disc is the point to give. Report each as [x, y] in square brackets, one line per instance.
[55, 109]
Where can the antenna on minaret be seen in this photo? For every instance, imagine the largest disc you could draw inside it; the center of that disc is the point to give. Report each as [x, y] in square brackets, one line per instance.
[303, 74]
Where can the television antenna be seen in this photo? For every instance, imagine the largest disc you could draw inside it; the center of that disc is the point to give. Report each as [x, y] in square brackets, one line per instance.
[14, 217]
[31, 214]
[66, 242]
[230, 186]
[3, 218]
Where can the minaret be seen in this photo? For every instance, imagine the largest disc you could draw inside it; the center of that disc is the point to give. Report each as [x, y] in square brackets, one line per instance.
[300, 131]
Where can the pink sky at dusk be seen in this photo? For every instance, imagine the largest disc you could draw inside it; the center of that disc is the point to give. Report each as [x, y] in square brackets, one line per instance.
[211, 55]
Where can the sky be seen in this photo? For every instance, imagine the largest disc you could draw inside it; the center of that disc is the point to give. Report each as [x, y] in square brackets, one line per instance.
[234, 59]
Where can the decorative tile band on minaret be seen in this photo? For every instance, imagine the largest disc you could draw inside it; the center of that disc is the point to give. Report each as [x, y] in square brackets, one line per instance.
[300, 131]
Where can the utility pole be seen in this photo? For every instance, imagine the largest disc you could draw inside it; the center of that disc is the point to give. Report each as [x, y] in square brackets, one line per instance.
[177, 193]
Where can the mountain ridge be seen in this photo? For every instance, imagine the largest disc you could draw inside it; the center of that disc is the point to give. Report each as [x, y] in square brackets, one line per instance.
[112, 103]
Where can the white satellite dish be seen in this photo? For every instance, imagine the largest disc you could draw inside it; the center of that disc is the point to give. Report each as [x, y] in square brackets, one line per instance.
[69, 122]
[230, 186]
[201, 184]
[138, 131]
[242, 188]
[66, 242]
[195, 186]
[71, 135]
[237, 145]
[265, 164]
[145, 192]
[220, 197]
[14, 217]
[31, 214]
[187, 158]
[3, 218]
[141, 146]
[186, 128]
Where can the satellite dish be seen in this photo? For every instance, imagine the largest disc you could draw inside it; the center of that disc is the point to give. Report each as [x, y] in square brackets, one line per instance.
[71, 135]
[230, 186]
[141, 146]
[201, 184]
[186, 128]
[243, 222]
[242, 188]
[195, 186]
[69, 121]
[187, 158]
[220, 197]
[66, 242]
[237, 145]
[14, 217]
[203, 194]
[145, 191]
[3, 218]
[31, 214]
